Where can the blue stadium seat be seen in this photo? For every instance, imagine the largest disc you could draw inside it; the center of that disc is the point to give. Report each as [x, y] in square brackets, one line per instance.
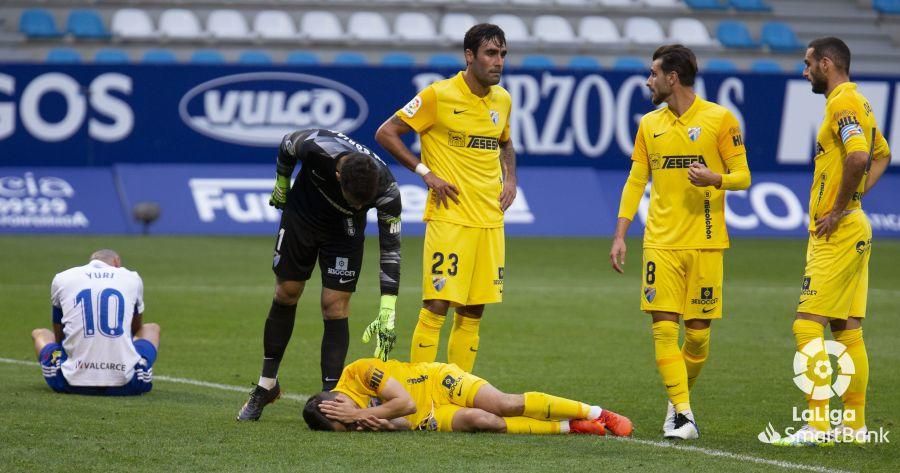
[86, 24]
[779, 37]
[706, 4]
[38, 23]
[159, 56]
[767, 66]
[445, 60]
[720, 65]
[254, 57]
[750, 5]
[537, 61]
[207, 56]
[111, 56]
[734, 34]
[350, 58]
[398, 59]
[63, 56]
[584, 63]
[302, 58]
[891, 7]
[630, 63]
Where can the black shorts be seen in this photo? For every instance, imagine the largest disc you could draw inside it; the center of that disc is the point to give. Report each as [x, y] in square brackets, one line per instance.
[299, 244]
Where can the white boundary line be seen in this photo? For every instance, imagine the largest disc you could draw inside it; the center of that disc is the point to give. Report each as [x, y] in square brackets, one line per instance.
[684, 448]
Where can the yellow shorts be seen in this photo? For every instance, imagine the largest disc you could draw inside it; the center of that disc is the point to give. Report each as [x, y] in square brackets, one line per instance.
[463, 265]
[455, 390]
[687, 282]
[836, 278]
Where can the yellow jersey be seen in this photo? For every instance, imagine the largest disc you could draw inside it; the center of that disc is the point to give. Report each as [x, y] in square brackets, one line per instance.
[682, 216]
[846, 128]
[461, 135]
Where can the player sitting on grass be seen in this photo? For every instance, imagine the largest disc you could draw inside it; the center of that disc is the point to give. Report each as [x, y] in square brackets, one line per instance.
[386, 396]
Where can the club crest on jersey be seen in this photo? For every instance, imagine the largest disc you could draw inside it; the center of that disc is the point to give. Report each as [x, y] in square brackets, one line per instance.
[438, 282]
[694, 133]
[412, 107]
[495, 117]
[650, 293]
[276, 259]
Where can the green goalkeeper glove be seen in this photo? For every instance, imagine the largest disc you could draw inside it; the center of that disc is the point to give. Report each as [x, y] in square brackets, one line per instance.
[279, 193]
[383, 328]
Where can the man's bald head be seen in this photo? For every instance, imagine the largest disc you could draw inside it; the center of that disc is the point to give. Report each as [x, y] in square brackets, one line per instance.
[109, 257]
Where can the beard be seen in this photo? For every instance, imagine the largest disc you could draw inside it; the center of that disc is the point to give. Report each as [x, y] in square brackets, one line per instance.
[819, 85]
[657, 98]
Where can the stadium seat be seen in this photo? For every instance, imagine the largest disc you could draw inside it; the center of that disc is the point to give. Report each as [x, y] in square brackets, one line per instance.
[690, 32]
[779, 37]
[513, 27]
[38, 23]
[414, 26]
[620, 3]
[629, 63]
[159, 56]
[454, 25]
[302, 58]
[891, 7]
[445, 60]
[537, 61]
[349, 58]
[398, 59]
[553, 29]
[766, 66]
[643, 30]
[86, 24]
[178, 23]
[706, 4]
[598, 29]
[132, 23]
[720, 65]
[664, 3]
[584, 63]
[274, 24]
[63, 56]
[111, 56]
[750, 5]
[321, 25]
[573, 3]
[254, 57]
[207, 56]
[734, 34]
[526, 2]
[227, 24]
[368, 26]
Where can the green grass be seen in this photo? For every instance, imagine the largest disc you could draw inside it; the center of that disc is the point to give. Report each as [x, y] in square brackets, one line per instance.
[568, 326]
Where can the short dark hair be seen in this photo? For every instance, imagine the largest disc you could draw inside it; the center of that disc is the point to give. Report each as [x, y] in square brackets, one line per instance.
[359, 177]
[678, 58]
[832, 48]
[313, 416]
[483, 33]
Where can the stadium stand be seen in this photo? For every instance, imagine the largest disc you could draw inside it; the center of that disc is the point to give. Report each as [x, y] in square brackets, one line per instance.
[254, 57]
[750, 5]
[454, 25]
[111, 56]
[367, 26]
[350, 58]
[227, 25]
[765, 66]
[779, 37]
[63, 56]
[321, 25]
[644, 30]
[207, 56]
[398, 59]
[720, 65]
[706, 4]
[599, 30]
[415, 27]
[537, 61]
[553, 29]
[302, 58]
[891, 7]
[179, 23]
[86, 24]
[630, 64]
[734, 34]
[159, 56]
[132, 23]
[274, 25]
[38, 23]
[690, 32]
[585, 63]
[445, 60]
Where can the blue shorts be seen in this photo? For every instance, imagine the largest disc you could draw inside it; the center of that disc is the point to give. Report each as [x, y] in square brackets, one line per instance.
[53, 355]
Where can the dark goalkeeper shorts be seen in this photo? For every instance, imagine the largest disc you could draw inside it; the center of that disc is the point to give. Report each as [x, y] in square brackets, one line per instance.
[298, 245]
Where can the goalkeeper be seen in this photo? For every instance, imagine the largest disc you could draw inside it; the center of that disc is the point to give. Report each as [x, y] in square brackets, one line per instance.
[323, 219]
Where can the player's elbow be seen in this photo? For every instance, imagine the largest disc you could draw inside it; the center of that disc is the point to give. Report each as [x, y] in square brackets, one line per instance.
[385, 133]
[857, 160]
[409, 408]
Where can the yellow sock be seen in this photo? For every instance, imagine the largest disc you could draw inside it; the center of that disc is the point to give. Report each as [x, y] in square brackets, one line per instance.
[547, 407]
[426, 337]
[855, 396]
[806, 331]
[462, 347]
[670, 364]
[695, 350]
[527, 425]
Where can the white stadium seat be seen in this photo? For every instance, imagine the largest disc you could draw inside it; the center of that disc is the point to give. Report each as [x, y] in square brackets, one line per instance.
[598, 29]
[665, 4]
[643, 30]
[132, 23]
[573, 3]
[368, 26]
[553, 29]
[274, 24]
[690, 32]
[455, 25]
[322, 25]
[513, 28]
[414, 26]
[620, 3]
[227, 24]
[180, 24]
[526, 2]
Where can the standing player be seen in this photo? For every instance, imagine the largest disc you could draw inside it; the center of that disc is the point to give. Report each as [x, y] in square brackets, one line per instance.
[469, 165]
[694, 151]
[836, 278]
[99, 343]
[324, 219]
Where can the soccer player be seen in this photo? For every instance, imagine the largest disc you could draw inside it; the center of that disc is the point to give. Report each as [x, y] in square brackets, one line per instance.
[393, 395]
[836, 278]
[469, 166]
[323, 219]
[693, 150]
[99, 344]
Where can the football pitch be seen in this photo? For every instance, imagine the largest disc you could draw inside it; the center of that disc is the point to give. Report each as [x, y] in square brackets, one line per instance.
[568, 325]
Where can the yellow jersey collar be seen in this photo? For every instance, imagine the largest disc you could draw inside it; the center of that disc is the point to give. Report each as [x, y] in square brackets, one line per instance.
[689, 113]
[841, 88]
[460, 82]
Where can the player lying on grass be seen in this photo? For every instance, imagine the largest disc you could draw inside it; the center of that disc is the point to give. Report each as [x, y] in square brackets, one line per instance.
[386, 396]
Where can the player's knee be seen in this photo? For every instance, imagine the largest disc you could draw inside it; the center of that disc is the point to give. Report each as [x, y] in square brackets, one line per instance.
[471, 311]
[436, 306]
[477, 420]
[288, 292]
[335, 306]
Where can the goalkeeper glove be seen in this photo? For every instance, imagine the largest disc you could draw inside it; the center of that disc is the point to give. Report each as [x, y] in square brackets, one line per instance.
[383, 328]
[279, 193]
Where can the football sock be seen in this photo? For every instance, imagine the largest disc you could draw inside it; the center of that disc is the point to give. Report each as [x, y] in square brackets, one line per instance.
[426, 337]
[335, 341]
[695, 350]
[462, 346]
[855, 396]
[671, 364]
[527, 425]
[806, 331]
[546, 407]
[277, 334]
[267, 383]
